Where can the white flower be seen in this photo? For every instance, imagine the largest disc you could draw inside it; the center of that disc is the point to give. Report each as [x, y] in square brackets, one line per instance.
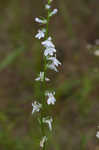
[40, 34]
[49, 51]
[49, 122]
[44, 139]
[54, 60]
[48, 43]
[36, 107]
[41, 21]
[96, 53]
[41, 77]
[52, 67]
[47, 6]
[53, 12]
[97, 135]
[54, 63]
[51, 99]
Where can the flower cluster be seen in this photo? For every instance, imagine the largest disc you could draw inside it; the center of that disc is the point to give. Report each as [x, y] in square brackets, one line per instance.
[50, 62]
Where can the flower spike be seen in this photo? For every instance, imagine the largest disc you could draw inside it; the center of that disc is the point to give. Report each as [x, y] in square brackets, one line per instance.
[49, 62]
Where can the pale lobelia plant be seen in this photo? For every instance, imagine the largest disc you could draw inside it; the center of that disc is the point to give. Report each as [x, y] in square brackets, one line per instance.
[49, 62]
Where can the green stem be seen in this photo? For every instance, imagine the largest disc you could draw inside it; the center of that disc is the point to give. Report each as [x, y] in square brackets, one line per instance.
[44, 86]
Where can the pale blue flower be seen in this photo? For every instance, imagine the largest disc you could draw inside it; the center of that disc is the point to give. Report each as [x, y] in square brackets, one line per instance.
[49, 122]
[44, 139]
[41, 77]
[36, 107]
[51, 99]
[41, 21]
[47, 6]
[40, 34]
[48, 43]
[49, 51]
[54, 63]
[53, 12]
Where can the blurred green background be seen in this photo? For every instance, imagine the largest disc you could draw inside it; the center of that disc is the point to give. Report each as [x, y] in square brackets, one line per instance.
[75, 30]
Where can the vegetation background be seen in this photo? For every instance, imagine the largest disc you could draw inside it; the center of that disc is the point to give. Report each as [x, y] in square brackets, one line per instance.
[75, 30]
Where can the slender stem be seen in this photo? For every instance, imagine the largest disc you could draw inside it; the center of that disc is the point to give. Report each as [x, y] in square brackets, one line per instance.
[44, 86]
